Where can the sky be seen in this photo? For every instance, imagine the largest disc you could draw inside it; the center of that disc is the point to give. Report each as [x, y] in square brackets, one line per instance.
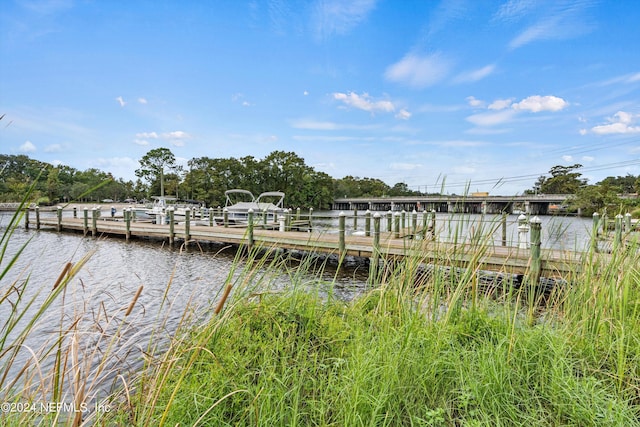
[452, 96]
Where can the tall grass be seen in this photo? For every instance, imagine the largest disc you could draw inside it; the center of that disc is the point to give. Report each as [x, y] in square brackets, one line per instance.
[426, 346]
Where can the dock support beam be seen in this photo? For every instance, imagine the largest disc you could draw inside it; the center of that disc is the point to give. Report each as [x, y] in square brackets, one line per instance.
[341, 232]
[389, 221]
[396, 225]
[536, 262]
[37, 217]
[172, 226]
[85, 221]
[375, 256]
[94, 222]
[250, 229]
[187, 226]
[127, 220]
[26, 218]
[367, 223]
[504, 229]
[594, 231]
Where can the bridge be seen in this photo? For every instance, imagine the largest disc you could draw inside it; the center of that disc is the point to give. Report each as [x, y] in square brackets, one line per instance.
[534, 204]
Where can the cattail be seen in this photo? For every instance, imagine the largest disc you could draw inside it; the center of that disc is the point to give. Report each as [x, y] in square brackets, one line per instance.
[133, 302]
[65, 270]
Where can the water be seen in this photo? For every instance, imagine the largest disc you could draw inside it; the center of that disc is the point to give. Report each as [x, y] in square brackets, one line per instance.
[174, 283]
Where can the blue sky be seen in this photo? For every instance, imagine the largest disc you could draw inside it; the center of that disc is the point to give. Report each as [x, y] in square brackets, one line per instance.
[484, 94]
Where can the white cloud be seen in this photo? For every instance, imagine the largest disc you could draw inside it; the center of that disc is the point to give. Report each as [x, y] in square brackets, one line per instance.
[475, 75]
[539, 103]
[491, 119]
[178, 134]
[621, 122]
[53, 148]
[403, 115]
[121, 101]
[475, 102]
[418, 71]
[339, 16]
[364, 102]
[405, 166]
[142, 100]
[147, 135]
[500, 104]
[567, 158]
[305, 93]
[27, 147]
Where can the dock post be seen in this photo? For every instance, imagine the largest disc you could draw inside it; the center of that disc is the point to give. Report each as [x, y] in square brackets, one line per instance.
[85, 221]
[367, 223]
[433, 224]
[298, 214]
[75, 212]
[504, 229]
[310, 216]
[225, 217]
[250, 228]
[127, 220]
[389, 220]
[396, 225]
[523, 232]
[37, 217]
[341, 232]
[211, 214]
[414, 222]
[94, 222]
[404, 218]
[375, 256]
[265, 217]
[594, 231]
[26, 218]
[536, 263]
[59, 213]
[172, 227]
[187, 226]
[355, 219]
[627, 222]
[425, 217]
[618, 232]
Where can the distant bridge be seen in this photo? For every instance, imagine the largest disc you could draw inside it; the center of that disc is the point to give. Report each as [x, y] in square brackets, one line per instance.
[538, 204]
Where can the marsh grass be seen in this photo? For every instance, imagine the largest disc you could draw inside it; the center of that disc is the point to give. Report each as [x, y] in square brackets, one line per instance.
[423, 347]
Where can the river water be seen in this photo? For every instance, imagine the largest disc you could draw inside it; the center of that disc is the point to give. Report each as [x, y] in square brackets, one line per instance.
[174, 282]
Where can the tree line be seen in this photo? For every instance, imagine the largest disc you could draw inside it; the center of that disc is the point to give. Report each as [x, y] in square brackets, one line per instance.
[206, 179]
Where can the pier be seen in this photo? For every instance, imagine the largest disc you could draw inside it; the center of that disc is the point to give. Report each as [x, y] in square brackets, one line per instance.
[381, 237]
[478, 203]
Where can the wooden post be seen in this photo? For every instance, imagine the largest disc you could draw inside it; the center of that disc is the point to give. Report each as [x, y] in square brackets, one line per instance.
[37, 217]
[298, 214]
[425, 217]
[367, 223]
[536, 262]
[172, 230]
[414, 222]
[523, 232]
[127, 219]
[504, 229]
[310, 216]
[355, 219]
[404, 219]
[26, 218]
[341, 231]
[594, 231]
[85, 221]
[265, 217]
[211, 215]
[397, 225]
[59, 227]
[617, 242]
[627, 222]
[373, 270]
[433, 224]
[94, 222]
[250, 228]
[225, 217]
[389, 221]
[187, 226]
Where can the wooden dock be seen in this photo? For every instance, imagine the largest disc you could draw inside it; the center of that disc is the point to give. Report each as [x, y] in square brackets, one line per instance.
[378, 245]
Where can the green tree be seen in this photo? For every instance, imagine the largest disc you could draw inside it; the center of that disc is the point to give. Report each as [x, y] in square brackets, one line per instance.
[155, 164]
[563, 180]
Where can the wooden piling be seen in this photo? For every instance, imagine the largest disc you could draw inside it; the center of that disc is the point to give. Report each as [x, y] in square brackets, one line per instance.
[225, 217]
[504, 229]
[594, 231]
[172, 231]
[85, 221]
[127, 219]
[389, 221]
[37, 217]
[59, 213]
[367, 223]
[355, 219]
[187, 226]
[414, 222]
[341, 233]
[94, 222]
[250, 228]
[535, 255]
[26, 218]
[617, 242]
[396, 225]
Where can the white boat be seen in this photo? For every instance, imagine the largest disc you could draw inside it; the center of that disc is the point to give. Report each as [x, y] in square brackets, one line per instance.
[158, 213]
[238, 202]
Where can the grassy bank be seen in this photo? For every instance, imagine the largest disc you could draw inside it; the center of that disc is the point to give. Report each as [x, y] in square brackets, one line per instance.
[421, 347]
[445, 353]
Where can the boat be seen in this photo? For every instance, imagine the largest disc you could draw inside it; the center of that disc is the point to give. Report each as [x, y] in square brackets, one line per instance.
[238, 202]
[157, 212]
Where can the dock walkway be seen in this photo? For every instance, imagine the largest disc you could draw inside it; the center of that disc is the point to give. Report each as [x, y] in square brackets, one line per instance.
[480, 256]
